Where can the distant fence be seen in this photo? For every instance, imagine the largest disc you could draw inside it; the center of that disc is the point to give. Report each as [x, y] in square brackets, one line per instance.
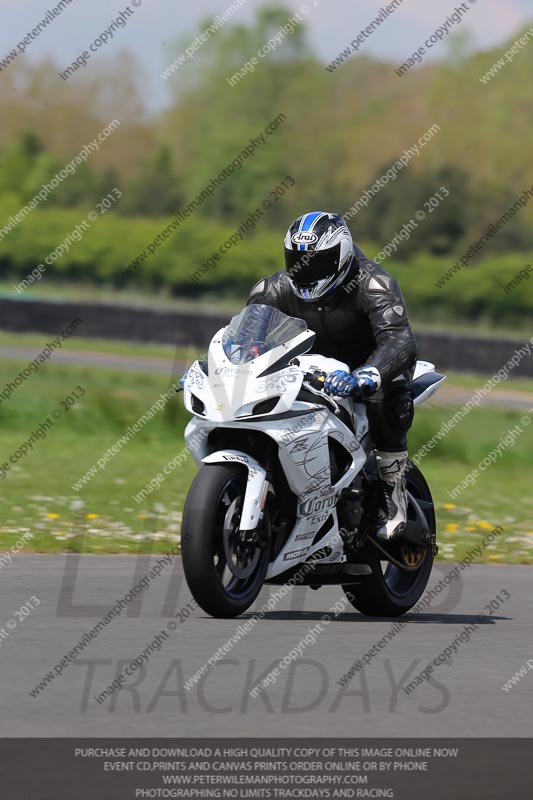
[191, 328]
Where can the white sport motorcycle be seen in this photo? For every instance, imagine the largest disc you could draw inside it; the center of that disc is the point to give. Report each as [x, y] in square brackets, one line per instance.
[288, 485]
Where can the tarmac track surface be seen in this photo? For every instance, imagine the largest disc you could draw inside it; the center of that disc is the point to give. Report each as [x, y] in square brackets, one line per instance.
[464, 698]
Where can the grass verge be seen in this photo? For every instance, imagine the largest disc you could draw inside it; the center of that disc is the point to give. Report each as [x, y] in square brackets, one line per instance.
[37, 495]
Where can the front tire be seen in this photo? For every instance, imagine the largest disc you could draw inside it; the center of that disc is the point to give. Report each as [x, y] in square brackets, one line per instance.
[223, 572]
[391, 591]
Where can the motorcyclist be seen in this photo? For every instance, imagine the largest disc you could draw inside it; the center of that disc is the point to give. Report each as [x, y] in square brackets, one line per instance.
[358, 314]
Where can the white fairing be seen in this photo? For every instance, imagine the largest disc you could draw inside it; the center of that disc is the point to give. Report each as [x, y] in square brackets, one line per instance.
[426, 368]
[232, 390]
[226, 397]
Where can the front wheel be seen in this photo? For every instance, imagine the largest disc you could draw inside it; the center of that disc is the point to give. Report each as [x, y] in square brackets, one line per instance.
[224, 567]
[390, 590]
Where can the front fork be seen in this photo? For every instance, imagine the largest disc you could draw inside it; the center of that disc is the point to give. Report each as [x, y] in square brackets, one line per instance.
[257, 485]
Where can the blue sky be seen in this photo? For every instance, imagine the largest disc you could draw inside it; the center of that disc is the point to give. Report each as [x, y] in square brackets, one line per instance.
[154, 28]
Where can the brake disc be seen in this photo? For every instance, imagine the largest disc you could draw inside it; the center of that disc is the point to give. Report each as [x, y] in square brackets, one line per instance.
[242, 556]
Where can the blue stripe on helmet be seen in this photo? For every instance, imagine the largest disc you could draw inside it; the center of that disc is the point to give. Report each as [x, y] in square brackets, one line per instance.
[307, 223]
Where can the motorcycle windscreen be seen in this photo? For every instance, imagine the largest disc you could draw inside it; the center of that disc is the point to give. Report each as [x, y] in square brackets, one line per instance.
[256, 330]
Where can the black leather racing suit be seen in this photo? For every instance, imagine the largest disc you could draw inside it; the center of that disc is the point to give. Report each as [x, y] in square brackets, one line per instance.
[363, 323]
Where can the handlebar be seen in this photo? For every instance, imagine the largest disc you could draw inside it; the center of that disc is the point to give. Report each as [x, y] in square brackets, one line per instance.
[317, 380]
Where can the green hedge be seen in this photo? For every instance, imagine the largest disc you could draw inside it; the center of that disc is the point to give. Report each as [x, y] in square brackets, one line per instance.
[112, 243]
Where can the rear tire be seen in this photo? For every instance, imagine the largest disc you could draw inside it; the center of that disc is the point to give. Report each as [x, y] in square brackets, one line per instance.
[211, 549]
[392, 591]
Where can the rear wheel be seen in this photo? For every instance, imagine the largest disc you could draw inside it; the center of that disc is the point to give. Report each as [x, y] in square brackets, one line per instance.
[391, 591]
[224, 566]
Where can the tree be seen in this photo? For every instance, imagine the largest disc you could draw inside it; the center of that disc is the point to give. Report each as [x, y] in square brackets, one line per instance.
[17, 161]
[155, 191]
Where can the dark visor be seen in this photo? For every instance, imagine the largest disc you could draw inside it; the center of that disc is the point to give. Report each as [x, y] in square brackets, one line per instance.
[305, 267]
